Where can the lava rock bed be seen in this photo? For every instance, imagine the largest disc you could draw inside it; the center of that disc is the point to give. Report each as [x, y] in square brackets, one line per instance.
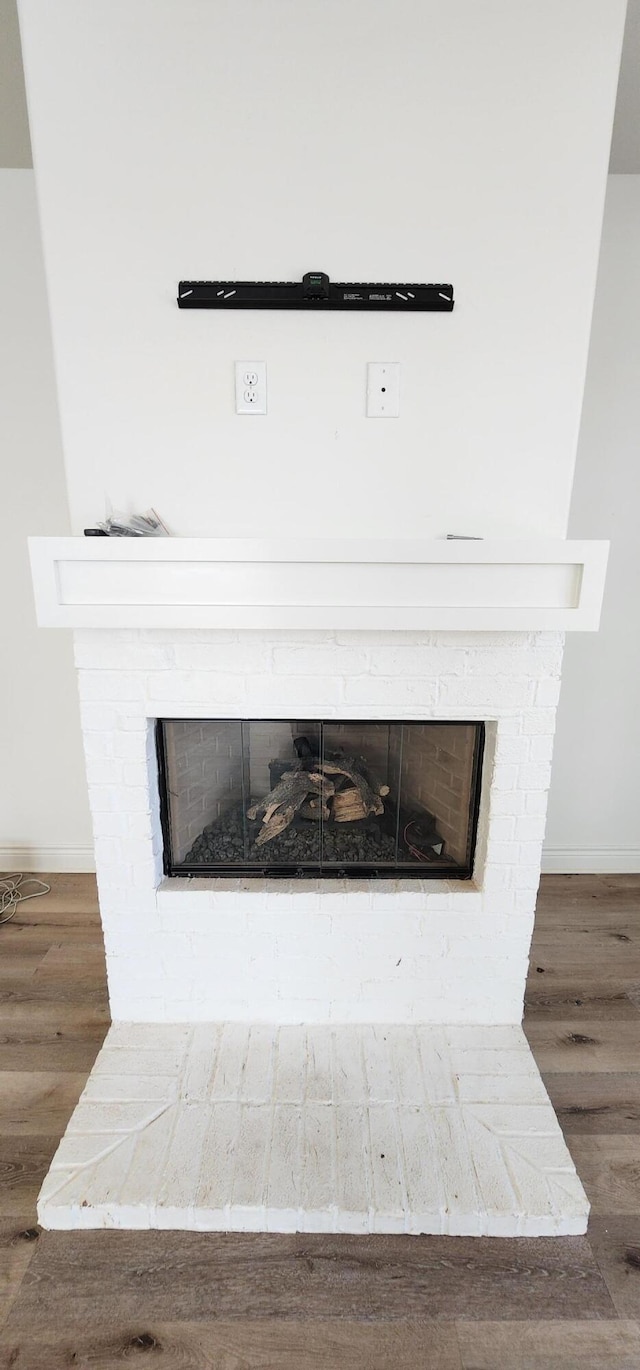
[222, 843]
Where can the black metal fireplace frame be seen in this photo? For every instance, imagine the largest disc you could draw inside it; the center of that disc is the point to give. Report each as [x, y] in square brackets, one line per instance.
[442, 870]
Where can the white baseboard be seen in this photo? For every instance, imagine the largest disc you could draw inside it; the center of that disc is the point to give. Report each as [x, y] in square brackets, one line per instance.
[555, 860]
[59, 859]
[591, 861]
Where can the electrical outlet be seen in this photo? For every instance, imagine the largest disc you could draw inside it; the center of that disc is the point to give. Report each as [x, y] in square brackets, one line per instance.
[383, 390]
[251, 387]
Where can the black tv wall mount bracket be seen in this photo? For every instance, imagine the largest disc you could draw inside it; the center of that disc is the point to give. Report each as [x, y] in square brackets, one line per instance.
[314, 291]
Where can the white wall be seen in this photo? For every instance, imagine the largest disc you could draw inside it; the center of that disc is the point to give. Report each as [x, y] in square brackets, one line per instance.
[410, 139]
[44, 816]
[594, 806]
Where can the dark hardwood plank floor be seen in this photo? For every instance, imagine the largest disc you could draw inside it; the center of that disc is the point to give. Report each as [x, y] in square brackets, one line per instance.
[100, 1300]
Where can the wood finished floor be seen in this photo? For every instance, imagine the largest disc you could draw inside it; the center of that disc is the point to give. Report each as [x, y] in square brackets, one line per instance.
[190, 1301]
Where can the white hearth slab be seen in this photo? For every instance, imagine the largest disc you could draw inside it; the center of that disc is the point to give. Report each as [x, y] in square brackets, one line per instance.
[232, 1127]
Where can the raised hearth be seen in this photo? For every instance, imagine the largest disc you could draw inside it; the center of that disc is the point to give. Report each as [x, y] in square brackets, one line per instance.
[315, 1129]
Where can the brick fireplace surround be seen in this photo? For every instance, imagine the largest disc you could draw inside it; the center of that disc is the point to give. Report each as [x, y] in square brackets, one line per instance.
[304, 1054]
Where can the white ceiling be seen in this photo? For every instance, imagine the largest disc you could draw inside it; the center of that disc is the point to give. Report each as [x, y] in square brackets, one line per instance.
[14, 132]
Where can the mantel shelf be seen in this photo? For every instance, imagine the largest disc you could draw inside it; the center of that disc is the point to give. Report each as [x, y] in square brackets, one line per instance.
[327, 584]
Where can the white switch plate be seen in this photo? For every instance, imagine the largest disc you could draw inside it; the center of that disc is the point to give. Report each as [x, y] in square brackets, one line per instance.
[251, 387]
[383, 390]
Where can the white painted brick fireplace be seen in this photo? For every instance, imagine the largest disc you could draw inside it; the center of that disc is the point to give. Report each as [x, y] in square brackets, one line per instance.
[317, 951]
[317, 1054]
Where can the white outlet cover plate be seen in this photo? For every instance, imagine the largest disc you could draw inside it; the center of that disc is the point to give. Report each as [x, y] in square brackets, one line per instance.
[383, 390]
[251, 387]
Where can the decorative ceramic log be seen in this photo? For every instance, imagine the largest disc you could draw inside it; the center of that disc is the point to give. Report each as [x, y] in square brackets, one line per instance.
[371, 776]
[372, 803]
[281, 793]
[347, 806]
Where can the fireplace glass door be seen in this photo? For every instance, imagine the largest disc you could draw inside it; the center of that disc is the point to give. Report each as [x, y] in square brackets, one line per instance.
[308, 797]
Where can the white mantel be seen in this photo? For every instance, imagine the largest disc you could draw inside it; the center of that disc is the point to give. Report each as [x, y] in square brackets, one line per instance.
[217, 583]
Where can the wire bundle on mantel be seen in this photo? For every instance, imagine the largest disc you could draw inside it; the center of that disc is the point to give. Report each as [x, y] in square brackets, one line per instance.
[13, 892]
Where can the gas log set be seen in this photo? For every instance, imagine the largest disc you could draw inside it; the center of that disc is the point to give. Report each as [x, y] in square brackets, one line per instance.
[325, 809]
[332, 787]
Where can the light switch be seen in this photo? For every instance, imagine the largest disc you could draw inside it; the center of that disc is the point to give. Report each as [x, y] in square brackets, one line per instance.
[383, 390]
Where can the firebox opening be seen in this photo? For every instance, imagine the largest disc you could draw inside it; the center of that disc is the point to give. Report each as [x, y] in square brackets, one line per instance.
[265, 797]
